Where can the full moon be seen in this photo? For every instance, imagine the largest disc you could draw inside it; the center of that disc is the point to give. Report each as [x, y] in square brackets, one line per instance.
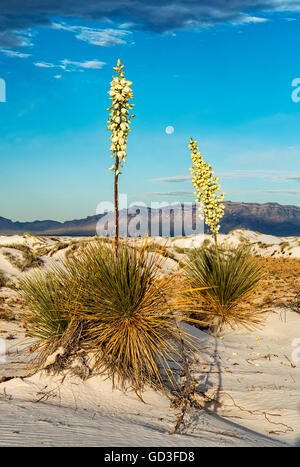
[170, 130]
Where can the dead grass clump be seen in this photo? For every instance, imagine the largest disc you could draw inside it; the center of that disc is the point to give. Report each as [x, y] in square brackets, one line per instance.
[6, 315]
[296, 306]
[3, 280]
[164, 251]
[29, 259]
[59, 246]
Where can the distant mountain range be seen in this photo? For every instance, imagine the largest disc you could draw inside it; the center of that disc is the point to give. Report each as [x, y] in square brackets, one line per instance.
[267, 218]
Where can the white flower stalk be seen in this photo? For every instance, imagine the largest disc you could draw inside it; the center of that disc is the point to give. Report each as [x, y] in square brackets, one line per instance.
[207, 188]
[119, 124]
[119, 118]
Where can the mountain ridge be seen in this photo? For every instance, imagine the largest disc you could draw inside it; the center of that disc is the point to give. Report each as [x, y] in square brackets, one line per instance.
[266, 218]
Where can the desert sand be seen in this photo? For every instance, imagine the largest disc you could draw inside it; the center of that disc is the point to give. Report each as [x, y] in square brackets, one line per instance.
[248, 381]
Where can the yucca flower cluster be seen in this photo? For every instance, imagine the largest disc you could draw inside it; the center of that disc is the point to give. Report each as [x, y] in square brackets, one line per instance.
[207, 188]
[119, 118]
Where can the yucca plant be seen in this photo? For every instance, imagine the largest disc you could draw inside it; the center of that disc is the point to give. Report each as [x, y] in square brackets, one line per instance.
[48, 294]
[231, 275]
[133, 312]
[128, 312]
[230, 279]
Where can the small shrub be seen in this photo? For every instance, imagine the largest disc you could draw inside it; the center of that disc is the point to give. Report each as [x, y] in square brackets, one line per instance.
[230, 281]
[59, 246]
[105, 239]
[180, 250]
[163, 249]
[3, 280]
[296, 304]
[206, 243]
[29, 235]
[30, 260]
[43, 250]
[6, 315]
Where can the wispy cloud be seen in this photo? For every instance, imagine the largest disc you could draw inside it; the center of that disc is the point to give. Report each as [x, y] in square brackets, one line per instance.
[44, 65]
[102, 37]
[166, 193]
[128, 25]
[288, 192]
[249, 19]
[72, 65]
[14, 38]
[14, 53]
[176, 179]
[266, 174]
[190, 193]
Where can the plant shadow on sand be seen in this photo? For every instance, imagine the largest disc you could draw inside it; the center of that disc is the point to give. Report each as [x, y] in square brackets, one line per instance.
[216, 405]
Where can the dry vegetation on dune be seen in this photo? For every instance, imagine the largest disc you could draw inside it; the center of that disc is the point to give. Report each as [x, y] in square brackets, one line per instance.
[280, 283]
[2, 280]
[28, 258]
[5, 313]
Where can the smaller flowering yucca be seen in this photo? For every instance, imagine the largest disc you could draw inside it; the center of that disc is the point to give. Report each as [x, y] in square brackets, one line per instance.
[228, 275]
[207, 188]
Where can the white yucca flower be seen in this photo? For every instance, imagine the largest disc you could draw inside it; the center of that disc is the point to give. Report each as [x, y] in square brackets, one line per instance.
[207, 188]
[119, 118]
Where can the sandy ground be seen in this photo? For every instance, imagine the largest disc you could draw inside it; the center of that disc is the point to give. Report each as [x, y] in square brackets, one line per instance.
[248, 383]
[250, 378]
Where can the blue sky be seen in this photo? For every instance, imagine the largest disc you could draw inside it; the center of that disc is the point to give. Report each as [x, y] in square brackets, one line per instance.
[227, 82]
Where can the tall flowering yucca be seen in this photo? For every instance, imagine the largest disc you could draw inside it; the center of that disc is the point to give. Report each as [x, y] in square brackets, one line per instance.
[207, 188]
[119, 124]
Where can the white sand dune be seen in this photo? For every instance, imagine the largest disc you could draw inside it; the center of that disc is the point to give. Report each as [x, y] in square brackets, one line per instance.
[251, 376]
[261, 244]
[54, 249]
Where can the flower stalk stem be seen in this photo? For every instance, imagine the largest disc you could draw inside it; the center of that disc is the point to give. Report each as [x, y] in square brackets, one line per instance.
[119, 124]
[217, 249]
[116, 206]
